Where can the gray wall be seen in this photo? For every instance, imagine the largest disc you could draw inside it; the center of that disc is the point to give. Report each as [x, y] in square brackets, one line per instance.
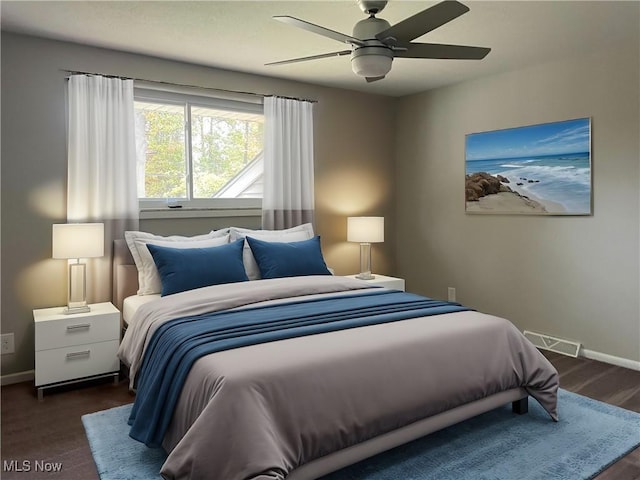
[576, 277]
[573, 277]
[34, 167]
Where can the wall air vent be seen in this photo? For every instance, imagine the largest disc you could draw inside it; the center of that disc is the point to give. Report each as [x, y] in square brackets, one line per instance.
[554, 344]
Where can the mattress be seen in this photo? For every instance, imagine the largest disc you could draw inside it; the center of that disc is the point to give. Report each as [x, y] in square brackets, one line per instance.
[131, 304]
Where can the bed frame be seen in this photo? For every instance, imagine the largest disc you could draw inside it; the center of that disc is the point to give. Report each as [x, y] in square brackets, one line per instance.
[126, 283]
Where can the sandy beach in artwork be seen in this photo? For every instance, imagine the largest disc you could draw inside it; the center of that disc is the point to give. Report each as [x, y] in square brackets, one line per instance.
[506, 202]
[548, 205]
[491, 194]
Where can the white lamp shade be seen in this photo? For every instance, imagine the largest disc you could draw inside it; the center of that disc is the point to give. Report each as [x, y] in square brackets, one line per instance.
[365, 229]
[78, 240]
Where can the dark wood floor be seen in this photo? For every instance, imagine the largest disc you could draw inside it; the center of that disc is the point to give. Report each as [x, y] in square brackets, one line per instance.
[51, 431]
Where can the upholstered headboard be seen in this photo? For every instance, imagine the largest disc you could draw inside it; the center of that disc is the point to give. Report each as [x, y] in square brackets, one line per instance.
[125, 273]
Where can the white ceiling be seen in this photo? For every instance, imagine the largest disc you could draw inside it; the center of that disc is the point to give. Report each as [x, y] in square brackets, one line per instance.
[241, 35]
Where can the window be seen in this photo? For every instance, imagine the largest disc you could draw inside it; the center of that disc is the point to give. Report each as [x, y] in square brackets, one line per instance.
[198, 151]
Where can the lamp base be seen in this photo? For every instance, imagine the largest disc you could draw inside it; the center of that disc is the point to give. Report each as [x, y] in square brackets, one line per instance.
[365, 262]
[365, 276]
[77, 295]
[74, 310]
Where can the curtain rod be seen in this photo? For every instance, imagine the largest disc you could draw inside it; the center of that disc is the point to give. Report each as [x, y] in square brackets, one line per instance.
[261, 95]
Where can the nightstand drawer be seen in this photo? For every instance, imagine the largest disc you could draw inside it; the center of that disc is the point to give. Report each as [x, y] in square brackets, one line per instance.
[76, 330]
[61, 364]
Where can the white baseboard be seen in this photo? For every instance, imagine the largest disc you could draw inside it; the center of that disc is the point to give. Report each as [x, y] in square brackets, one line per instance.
[606, 358]
[19, 377]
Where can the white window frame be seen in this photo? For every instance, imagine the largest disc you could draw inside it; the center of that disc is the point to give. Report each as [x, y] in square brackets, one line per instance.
[238, 204]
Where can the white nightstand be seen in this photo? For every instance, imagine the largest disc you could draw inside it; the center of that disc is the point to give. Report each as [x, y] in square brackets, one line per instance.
[71, 348]
[384, 281]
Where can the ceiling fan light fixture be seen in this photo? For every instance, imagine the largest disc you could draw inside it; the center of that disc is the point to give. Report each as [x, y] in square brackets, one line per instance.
[371, 61]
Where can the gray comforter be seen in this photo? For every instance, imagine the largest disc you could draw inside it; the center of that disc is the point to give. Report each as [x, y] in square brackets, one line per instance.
[259, 412]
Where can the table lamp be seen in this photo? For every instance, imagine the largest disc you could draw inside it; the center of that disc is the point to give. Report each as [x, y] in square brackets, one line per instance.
[366, 230]
[77, 240]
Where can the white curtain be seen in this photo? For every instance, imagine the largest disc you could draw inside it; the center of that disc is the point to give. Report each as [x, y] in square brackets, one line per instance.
[101, 173]
[288, 196]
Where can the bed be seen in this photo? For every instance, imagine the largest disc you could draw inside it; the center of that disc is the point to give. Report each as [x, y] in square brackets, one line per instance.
[301, 406]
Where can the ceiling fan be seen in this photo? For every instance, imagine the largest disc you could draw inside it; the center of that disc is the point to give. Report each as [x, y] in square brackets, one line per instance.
[375, 43]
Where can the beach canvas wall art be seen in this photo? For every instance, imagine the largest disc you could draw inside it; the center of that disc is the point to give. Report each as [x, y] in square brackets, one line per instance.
[540, 169]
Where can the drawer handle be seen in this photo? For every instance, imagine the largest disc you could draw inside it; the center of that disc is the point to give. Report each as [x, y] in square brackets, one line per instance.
[84, 353]
[78, 327]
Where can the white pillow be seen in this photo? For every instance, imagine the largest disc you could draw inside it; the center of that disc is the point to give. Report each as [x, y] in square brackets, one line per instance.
[148, 277]
[295, 234]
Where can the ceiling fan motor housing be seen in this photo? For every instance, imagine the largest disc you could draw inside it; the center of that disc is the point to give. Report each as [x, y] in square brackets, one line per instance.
[368, 28]
[374, 58]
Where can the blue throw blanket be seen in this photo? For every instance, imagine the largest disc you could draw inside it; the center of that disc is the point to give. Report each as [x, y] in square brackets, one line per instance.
[177, 344]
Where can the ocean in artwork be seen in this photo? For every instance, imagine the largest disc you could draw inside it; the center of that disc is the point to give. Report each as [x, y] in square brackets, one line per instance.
[563, 179]
[549, 163]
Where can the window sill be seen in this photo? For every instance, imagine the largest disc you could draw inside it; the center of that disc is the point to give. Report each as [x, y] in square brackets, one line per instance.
[191, 212]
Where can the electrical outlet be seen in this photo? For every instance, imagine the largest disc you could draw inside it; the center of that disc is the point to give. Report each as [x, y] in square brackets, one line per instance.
[6, 340]
[451, 294]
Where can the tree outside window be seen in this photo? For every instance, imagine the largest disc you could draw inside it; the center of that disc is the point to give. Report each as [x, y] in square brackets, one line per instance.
[188, 151]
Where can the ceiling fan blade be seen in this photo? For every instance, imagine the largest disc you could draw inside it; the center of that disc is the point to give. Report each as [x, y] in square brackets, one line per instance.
[325, 32]
[442, 51]
[373, 79]
[423, 22]
[312, 57]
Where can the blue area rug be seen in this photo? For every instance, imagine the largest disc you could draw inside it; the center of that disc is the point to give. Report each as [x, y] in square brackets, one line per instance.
[497, 445]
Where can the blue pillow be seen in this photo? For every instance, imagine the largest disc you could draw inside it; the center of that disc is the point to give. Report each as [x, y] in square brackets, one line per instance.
[280, 259]
[184, 269]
